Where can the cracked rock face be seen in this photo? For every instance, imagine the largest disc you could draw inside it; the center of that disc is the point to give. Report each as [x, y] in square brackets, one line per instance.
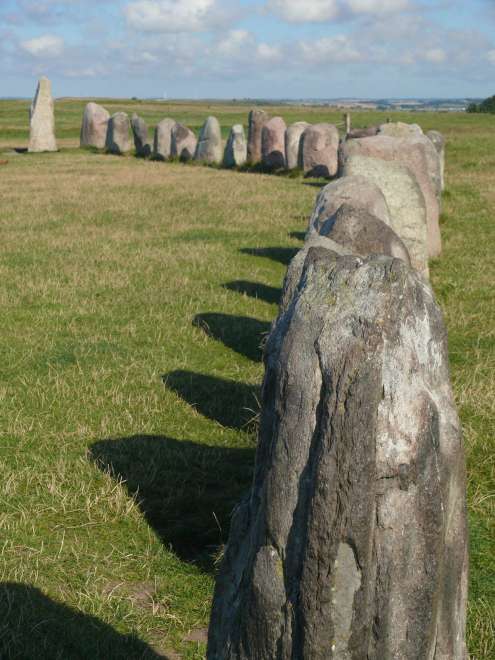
[352, 541]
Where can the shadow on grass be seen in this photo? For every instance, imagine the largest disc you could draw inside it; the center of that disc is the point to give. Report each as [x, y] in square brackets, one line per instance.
[33, 626]
[228, 402]
[243, 334]
[283, 255]
[186, 490]
[299, 235]
[269, 294]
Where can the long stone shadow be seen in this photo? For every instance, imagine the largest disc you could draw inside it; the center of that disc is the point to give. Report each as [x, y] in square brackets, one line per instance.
[32, 626]
[284, 255]
[228, 402]
[243, 334]
[185, 490]
[269, 294]
[299, 235]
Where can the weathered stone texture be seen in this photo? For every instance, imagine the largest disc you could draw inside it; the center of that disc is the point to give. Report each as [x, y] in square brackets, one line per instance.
[236, 148]
[273, 144]
[352, 541]
[118, 141]
[439, 143]
[42, 119]
[358, 191]
[162, 140]
[293, 136]
[404, 200]
[319, 150]
[140, 134]
[94, 126]
[416, 155]
[257, 119]
[370, 131]
[209, 148]
[400, 129]
[183, 142]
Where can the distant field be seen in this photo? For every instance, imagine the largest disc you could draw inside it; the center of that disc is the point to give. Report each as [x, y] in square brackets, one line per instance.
[134, 298]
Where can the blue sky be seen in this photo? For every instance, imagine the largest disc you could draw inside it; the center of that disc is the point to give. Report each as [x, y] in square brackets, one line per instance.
[249, 48]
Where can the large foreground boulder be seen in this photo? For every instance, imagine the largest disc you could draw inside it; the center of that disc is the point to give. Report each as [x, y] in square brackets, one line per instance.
[162, 140]
[362, 233]
[209, 148]
[94, 126]
[273, 144]
[118, 141]
[235, 153]
[140, 134]
[293, 136]
[358, 191]
[256, 120]
[183, 142]
[419, 155]
[42, 119]
[352, 541]
[404, 199]
[319, 150]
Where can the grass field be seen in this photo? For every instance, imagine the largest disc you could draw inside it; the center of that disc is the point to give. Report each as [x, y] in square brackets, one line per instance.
[134, 299]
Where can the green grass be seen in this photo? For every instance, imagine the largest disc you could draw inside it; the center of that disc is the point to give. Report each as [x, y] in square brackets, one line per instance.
[134, 298]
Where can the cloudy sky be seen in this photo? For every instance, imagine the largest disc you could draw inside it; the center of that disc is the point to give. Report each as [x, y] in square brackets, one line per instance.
[249, 48]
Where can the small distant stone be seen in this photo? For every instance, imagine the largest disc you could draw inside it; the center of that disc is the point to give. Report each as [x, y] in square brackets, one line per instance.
[236, 148]
[118, 141]
[94, 126]
[140, 133]
[42, 119]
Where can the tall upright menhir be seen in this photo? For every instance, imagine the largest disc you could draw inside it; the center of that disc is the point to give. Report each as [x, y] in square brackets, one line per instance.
[42, 119]
[352, 541]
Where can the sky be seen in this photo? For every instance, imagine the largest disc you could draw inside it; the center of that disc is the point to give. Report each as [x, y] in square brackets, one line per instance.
[249, 48]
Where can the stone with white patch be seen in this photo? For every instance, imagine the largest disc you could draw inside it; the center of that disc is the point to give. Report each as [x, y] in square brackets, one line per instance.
[293, 136]
[235, 154]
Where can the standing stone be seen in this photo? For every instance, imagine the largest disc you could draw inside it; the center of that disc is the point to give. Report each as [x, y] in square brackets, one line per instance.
[162, 141]
[412, 152]
[319, 150]
[399, 129]
[352, 543]
[404, 199]
[140, 133]
[236, 148]
[42, 119]
[293, 143]
[118, 141]
[183, 142]
[94, 126]
[273, 144]
[257, 119]
[209, 148]
[439, 143]
[362, 233]
[358, 191]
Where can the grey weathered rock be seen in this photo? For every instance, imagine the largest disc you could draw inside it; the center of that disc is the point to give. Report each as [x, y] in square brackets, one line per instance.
[42, 119]
[162, 140]
[273, 144]
[352, 541]
[183, 142]
[319, 149]
[370, 131]
[362, 233]
[209, 148]
[256, 120]
[358, 191]
[404, 200]
[417, 156]
[236, 148]
[399, 129]
[94, 126]
[293, 136]
[140, 133]
[439, 143]
[296, 266]
[118, 141]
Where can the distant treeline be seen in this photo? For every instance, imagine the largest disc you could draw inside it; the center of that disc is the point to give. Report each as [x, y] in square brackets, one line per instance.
[488, 105]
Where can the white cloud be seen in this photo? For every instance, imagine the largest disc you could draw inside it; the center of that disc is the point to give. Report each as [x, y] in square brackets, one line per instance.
[377, 6]
[435, 55]
[307, 11]
[490, 56]
[172, 15]
[235, 43]
[48, 45]
[334, 49]
[268, 52]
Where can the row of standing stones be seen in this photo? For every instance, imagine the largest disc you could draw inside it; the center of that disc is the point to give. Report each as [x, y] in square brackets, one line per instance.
[352, 542]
